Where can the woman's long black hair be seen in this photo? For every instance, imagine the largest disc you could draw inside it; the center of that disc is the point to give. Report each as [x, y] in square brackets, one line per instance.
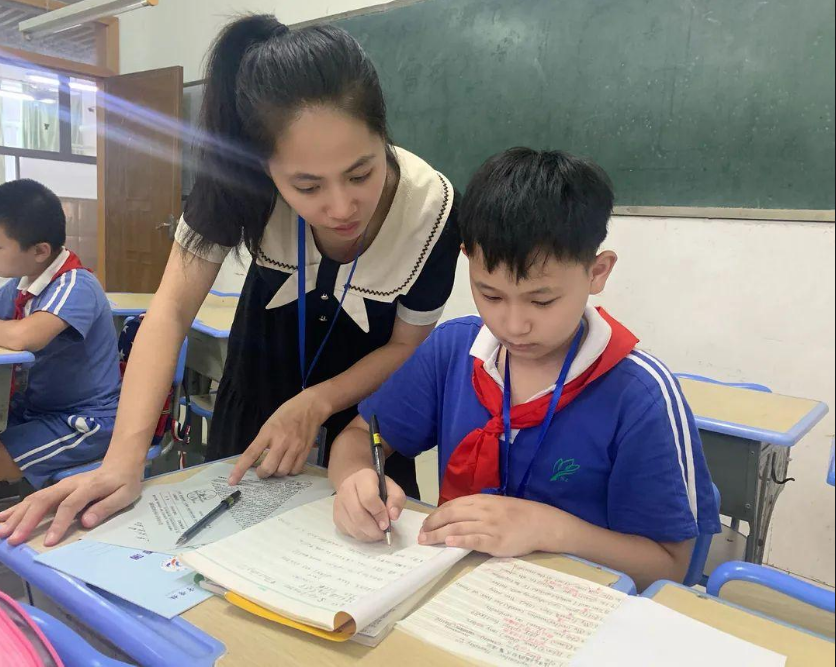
[259, 75]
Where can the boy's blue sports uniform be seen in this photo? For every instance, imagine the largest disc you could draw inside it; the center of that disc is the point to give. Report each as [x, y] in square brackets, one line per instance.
[622, 452]
[64, 404]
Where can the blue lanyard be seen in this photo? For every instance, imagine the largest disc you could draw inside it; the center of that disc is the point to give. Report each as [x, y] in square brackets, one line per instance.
[544, 427]
[302, 306]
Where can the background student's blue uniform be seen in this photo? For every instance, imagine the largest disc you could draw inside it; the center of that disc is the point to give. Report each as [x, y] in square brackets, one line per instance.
[619, 456]
[66, 412]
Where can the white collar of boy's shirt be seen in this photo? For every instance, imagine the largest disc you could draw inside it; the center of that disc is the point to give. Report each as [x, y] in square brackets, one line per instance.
[40, 283]
[390, 265]
[486, 347]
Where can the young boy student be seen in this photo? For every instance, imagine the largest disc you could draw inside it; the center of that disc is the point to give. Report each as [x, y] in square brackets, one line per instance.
[554, 432]
[62, 414]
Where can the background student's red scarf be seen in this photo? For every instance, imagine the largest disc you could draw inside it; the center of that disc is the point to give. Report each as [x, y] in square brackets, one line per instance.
[23, 297]
[474, 464]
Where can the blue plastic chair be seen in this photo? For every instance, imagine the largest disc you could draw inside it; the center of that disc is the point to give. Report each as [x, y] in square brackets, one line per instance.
[71, 648]
[199, 410]
[742, 385]
[702, 545]
[158, 443]
[818, 605]
[735, 524]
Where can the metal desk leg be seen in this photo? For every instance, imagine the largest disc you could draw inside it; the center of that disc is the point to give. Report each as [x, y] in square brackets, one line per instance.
[5, 391]
[750, 477]
[772, 476]
[196, 384]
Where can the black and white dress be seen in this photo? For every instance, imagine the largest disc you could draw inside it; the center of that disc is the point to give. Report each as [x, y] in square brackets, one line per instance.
[407, 272]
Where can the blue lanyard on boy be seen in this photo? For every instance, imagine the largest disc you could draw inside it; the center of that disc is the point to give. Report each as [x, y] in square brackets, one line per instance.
[505, 446]
[302, 306]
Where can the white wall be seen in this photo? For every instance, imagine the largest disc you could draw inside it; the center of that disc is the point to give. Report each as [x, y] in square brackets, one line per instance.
[731, 299]
[66, 179]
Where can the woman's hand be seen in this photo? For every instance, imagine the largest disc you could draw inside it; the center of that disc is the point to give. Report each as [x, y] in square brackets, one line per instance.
[289, 434]
[110, 488]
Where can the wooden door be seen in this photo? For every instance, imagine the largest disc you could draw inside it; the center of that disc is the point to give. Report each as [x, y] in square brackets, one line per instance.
[142, 167]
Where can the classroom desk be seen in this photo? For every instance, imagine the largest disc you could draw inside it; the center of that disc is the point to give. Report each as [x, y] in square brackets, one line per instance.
[127, 304]
[802, 648]
[8, 359]
[747, 436]
[247, 641]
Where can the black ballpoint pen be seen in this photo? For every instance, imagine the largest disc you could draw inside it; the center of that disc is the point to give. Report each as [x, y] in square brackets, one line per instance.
[224, 505]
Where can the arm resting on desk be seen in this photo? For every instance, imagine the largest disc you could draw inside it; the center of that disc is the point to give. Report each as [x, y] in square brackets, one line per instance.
[509, 527]
[31, 334]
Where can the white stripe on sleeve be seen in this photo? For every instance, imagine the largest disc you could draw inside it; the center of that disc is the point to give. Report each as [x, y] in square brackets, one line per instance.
[69, 289]
[689, 490]
[683, 419]
[55, 294]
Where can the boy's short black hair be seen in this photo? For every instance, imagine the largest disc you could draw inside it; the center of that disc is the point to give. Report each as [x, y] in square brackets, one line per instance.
[523, 205]
[31, 213]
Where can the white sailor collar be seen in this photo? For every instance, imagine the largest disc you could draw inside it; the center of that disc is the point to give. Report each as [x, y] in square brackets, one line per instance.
[394, 260]
[486, 347]
[40, 283]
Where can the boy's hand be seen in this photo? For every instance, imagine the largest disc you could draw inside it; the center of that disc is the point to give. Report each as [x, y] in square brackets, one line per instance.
[496, 525]
[109, 488]
[358, 509]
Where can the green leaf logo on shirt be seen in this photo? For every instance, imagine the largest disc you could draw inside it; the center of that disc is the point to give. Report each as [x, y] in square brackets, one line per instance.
[563, 469]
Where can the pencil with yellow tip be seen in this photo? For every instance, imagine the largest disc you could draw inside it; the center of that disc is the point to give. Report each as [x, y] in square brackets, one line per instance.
[378, 457]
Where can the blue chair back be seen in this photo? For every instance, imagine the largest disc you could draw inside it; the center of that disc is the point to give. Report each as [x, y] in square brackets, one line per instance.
[742, 385]
[800, 590]
[702, 545]
[777, 595]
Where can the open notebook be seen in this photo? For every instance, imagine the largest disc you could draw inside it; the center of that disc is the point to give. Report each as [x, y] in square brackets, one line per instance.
[298, 570]
[510, 613]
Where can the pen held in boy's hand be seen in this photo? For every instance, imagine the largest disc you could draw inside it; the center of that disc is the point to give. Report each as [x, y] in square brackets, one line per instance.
[378, 459]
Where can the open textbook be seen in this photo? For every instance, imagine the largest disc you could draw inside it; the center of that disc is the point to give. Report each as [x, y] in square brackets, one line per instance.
[298, 570]
[510, 613]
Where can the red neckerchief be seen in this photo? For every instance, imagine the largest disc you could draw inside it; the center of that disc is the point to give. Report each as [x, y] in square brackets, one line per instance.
[474, 464]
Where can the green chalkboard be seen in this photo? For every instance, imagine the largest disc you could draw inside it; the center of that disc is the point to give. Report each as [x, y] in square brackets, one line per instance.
[684, 103]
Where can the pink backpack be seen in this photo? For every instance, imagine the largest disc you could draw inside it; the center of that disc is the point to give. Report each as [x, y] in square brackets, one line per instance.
[22, 644]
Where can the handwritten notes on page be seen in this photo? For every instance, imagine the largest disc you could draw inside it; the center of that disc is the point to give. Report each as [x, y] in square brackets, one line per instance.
[165, 511]
[299, 566]
[510, 612]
